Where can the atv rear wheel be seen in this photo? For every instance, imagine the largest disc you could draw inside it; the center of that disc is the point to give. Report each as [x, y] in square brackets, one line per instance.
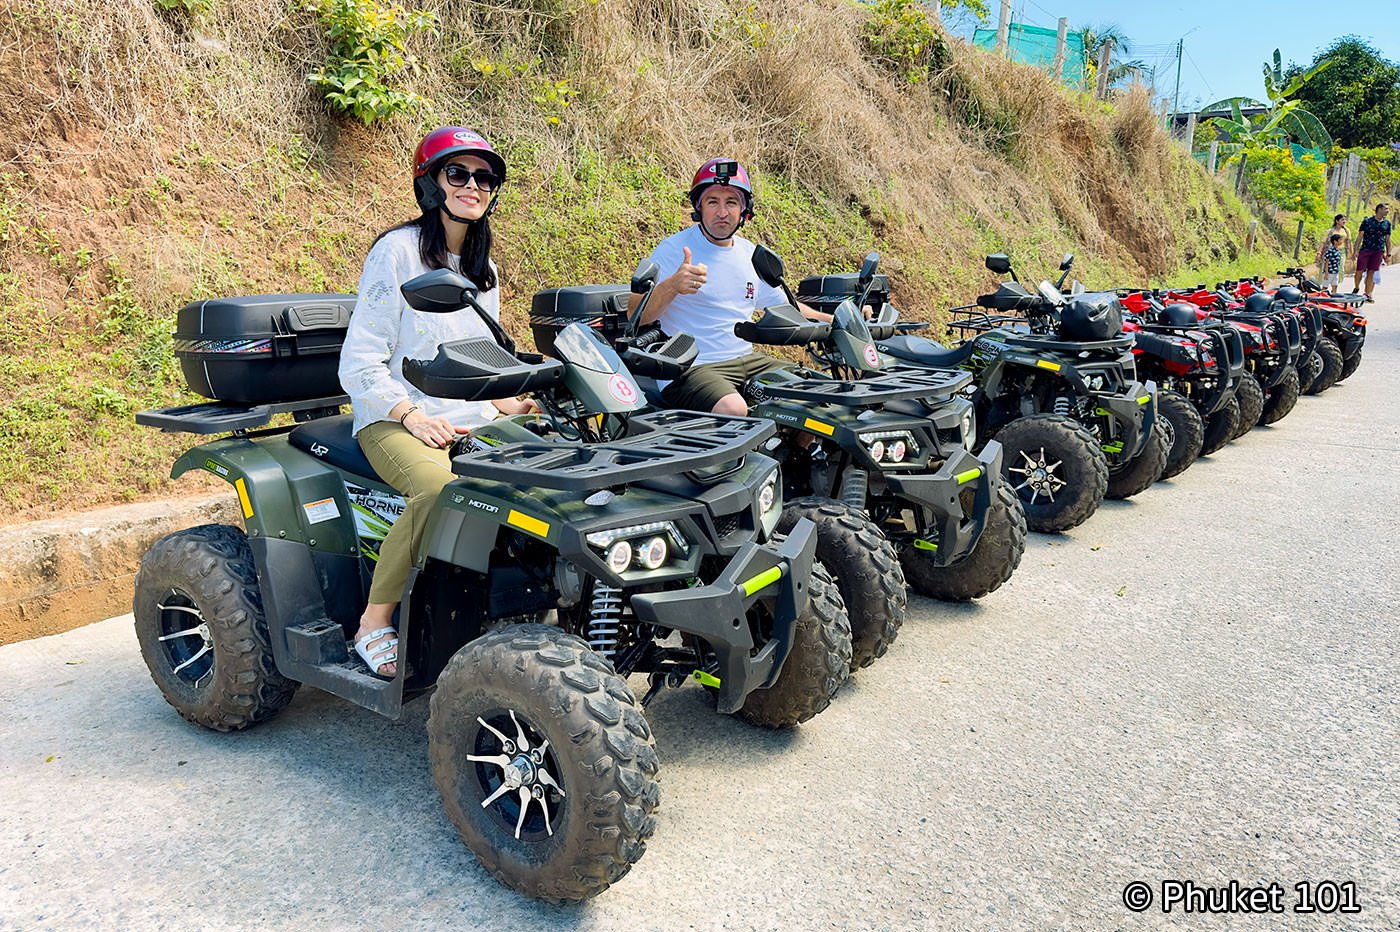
[1281, 399]
[1184, 430]
[545, 762]
[200, 624]
[866, 568]
[1331, 371]
[1141, 471]
[1350, 365]
[820, 661]
[1220, 427]
[1251, 399]
[991, 562]
[1055, 466]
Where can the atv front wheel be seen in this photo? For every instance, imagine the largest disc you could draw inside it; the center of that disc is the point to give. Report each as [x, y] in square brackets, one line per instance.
[1183, 429]
[817, 665]
[1331, 370]
[1055, 466]
[991, 562]
[1141, 471]
[1251, 399]
[1281, 399]
[866, 568]
[200, 624]
[1220, 427]
[545, 762]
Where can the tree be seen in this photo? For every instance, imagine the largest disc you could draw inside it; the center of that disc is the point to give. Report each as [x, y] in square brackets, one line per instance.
[1119, 66]
[1358, 98]
[1284, 118]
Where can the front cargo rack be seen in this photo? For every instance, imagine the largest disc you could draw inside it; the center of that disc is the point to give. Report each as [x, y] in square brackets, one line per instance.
[661, 443]
[895, 384]
[222, 417]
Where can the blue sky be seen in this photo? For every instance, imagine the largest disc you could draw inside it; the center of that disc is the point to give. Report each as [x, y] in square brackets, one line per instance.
[1226, 42]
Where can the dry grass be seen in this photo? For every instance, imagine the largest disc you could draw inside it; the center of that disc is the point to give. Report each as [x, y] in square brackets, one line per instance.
[146, 159]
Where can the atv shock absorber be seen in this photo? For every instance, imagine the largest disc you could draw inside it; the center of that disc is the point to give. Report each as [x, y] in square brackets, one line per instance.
[1063, 406]
[604, 619]
[854, 488]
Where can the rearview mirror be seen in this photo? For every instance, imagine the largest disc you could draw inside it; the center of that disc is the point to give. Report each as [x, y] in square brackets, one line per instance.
[768, 266]
[440, 291]
[644, 277]
[1067, 262]
[999, 262]
[869, 267]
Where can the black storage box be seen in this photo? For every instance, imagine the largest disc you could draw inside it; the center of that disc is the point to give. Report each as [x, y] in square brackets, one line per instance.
[603, 307]
[825, 292]
[263, 348]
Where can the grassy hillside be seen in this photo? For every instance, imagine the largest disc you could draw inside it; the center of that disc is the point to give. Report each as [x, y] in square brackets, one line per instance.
[150, 157]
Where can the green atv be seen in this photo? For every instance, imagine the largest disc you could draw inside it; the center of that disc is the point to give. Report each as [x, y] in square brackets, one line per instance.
[571, 551]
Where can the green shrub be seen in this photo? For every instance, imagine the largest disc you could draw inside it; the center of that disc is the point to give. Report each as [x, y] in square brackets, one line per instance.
[903, 39]
[368, 52]
[1275, 178]
[190, 8]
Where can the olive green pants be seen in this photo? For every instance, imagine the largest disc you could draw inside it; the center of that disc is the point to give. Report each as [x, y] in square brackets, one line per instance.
[418, 472]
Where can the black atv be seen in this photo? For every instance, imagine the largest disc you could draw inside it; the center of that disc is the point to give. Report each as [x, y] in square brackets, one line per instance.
[1055, 384]
[894, 441]
[571, 551]
[862, 560]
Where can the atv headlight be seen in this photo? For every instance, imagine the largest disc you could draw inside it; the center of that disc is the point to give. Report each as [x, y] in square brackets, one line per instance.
[768, 495]
[652, 553]
[621, 545]
[969, 428]
[890, 446]
[619, 556]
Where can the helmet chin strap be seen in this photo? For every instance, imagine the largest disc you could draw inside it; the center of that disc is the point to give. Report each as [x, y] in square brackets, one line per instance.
[713, 239]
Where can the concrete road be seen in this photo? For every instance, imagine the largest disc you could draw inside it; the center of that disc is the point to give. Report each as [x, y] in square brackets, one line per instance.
[1198, 685]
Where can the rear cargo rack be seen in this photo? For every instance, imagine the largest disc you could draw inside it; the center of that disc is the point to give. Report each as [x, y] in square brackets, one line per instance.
[221, 417]
[896, 384]
[662, 443]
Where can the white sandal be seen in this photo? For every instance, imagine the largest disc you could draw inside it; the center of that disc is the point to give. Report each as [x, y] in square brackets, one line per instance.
[386, 652]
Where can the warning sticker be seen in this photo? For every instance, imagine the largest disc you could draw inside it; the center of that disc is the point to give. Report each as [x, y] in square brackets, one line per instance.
[324, 510]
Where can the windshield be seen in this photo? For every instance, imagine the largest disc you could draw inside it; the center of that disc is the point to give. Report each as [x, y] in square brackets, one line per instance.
[578, 345]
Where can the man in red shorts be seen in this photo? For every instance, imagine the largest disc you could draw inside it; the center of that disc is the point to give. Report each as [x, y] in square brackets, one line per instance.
[1374, 251]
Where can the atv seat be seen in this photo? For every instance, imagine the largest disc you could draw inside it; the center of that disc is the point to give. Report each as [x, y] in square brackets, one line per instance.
[330, 439]
[926, 352]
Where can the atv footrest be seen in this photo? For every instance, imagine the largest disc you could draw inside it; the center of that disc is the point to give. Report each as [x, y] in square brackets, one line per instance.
[320, 641]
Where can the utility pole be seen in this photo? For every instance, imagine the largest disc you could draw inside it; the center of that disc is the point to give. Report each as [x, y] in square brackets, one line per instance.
[1176, 95]
[1105, 56]
[936, 9]
[1061, 31]
[1003, 27]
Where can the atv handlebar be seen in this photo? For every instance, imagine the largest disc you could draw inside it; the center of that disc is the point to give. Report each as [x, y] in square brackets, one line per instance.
[480, 370]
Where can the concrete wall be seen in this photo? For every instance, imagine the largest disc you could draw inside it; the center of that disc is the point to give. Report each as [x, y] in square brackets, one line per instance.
[59, 574]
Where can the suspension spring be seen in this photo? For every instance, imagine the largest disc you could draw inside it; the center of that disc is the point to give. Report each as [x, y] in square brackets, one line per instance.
[1063, 406]
[605, 619]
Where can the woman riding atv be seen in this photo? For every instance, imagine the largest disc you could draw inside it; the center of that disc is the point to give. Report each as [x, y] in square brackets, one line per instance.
[405, 434]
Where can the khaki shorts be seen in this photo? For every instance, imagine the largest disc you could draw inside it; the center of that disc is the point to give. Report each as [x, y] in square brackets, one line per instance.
[701, 388]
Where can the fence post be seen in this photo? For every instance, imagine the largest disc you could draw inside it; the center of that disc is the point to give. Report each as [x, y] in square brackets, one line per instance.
[1249, 238]
[1348, 205]
[1190, 138]
[1298, 242]
[1061, 30]
[1003, 27]
[1105, 56]
[1239, 175]
[1214, 155]
[935, 8]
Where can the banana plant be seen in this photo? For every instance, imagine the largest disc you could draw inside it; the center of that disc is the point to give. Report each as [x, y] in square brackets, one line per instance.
[1284, 119]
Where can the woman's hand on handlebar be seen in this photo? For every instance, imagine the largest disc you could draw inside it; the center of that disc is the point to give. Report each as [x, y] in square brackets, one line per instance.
[436, 432]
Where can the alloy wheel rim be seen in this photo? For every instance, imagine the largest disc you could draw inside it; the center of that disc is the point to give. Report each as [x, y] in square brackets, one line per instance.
[185, 638]
[515, 769]
[1039, 476]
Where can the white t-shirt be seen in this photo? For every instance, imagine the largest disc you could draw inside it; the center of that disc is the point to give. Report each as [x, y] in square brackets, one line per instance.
[384, 331]
[731, 292]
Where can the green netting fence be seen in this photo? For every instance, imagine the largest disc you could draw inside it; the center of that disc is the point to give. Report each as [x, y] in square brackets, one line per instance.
[1033, 45]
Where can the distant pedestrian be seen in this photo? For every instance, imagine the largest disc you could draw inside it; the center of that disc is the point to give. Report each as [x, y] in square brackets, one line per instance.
[1339, 225]
[1375, 249]
[1331, 262]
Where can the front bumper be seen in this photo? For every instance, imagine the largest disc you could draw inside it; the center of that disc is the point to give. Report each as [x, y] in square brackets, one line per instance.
[938, 496]
[776, 572]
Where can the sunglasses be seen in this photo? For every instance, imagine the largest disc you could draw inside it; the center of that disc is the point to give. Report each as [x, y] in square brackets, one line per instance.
[459, 175]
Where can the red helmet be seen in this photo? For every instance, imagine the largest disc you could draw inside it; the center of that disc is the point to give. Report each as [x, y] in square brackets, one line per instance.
[710, 173]
[439, 146]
